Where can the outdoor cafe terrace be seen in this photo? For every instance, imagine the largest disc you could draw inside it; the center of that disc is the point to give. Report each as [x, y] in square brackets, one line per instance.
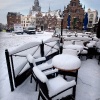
[76, 57]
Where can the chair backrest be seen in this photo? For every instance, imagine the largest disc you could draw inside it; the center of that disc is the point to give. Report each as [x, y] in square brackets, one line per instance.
[42, 80]
[79, 43]
[40, 75]
[70, 51]
[31, 60]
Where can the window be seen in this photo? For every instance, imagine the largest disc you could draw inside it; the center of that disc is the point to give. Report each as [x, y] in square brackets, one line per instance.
[91, 15]
[90, 19]
[77, 11]
[73, 4]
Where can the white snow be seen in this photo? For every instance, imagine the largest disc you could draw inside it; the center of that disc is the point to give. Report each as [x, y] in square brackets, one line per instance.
[70, 51]
[40, 75]
[55, 88]
[76, 47]
[66, 62]
[23, 47]
[88, 86]
[31, 59]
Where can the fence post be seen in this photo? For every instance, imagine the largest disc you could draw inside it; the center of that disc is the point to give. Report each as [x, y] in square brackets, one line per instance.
[9, 70]
[42, 49]
[13, 72]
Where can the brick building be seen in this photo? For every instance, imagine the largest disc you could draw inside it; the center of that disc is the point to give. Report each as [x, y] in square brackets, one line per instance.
[77, 15]
[13, 18]
[51, 21]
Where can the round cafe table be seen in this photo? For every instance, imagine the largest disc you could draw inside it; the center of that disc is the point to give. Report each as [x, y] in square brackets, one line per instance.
[67, 64]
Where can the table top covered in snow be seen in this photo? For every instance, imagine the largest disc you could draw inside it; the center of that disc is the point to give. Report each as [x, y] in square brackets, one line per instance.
[66, 62]
[77, 47]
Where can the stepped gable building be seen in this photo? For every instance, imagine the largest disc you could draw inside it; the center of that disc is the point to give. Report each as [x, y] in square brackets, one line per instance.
[77, 15]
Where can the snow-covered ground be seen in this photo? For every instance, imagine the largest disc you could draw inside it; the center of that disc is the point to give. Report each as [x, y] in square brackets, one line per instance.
[88, 86]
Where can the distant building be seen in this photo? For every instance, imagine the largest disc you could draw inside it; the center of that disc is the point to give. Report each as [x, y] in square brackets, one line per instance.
[36, 6]
[27, 21]
[51, 18]
[35, 9]
[92, 18]
[77, 14]
[13, 18]
[44, 20]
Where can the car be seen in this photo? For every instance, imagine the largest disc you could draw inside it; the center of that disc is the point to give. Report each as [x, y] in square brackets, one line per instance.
[18, 28]
[31, 30]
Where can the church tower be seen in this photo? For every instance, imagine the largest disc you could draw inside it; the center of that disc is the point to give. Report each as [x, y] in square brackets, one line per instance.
[36, 6]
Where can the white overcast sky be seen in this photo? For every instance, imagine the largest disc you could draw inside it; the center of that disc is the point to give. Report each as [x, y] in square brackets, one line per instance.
[23, 6]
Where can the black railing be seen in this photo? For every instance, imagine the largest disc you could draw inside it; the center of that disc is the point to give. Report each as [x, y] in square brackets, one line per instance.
[18, 74]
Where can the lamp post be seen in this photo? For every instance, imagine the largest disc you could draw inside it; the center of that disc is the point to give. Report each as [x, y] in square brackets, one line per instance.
[61, 40]
[61, 15]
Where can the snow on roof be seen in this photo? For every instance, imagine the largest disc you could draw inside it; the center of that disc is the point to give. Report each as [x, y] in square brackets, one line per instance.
[52, 13]
[34, 13]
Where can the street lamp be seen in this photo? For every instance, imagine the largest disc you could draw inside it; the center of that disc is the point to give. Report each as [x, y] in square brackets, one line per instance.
[61, 16]
[61, 40]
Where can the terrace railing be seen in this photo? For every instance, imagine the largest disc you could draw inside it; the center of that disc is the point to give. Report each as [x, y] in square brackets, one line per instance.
[18, 67]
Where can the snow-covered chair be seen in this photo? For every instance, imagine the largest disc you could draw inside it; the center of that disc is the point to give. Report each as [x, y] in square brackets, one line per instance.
[71, 52]
[84, 52]
[55, 88]
[32, 61]
[79, 42]
[98, 51]
[45, 67]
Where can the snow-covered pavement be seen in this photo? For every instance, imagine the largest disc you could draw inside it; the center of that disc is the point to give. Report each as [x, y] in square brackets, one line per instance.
[88, 86]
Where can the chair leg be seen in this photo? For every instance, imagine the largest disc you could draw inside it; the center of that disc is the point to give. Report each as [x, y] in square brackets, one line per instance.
[36, 86]
[99, 60]
[39, 96]
[31, 79]
[74, 91]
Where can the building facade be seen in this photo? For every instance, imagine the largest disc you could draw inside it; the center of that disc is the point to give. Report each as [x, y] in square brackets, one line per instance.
[27, 21]
[13, 18]
[92, 18]
[77, 15]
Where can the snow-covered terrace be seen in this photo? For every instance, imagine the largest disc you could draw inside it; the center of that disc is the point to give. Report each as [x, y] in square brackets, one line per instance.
[88, 86]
